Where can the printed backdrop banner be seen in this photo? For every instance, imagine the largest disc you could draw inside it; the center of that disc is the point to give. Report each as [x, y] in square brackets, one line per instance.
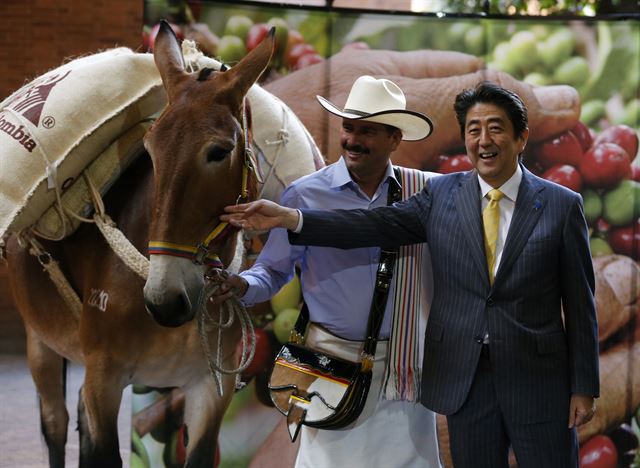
[589, 143]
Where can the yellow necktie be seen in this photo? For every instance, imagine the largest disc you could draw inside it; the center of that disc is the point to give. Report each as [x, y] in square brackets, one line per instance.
[491, 221]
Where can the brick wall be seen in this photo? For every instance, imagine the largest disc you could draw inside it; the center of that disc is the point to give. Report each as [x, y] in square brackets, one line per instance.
[35, 36]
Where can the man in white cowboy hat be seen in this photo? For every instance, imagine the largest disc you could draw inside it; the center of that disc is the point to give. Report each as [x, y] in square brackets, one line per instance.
[394, 430]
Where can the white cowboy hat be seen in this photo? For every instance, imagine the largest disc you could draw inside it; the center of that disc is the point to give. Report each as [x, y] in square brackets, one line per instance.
[381, 101]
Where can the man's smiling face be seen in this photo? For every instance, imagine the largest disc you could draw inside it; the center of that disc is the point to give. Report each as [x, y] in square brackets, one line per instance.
[367, 146]
[491, 143]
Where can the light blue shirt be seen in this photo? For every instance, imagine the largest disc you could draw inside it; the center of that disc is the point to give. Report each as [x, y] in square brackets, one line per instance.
[337, 284]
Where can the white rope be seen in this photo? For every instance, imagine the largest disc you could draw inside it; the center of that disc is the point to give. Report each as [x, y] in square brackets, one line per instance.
[75, 215]
[118, 242]
[281, 142]
[228, 310]
[124, 249]
[52, 267]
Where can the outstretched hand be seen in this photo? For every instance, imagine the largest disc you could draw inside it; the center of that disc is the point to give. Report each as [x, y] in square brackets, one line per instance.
[261, 215]
[430, 80]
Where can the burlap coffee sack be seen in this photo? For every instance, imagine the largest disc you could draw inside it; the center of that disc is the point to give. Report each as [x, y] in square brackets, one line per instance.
[57, 222]
[119, 89]
[53, 127]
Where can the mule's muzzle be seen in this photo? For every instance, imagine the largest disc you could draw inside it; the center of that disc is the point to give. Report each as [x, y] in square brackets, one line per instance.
[171, 313]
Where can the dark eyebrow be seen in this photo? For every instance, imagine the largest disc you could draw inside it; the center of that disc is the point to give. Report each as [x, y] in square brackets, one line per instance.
[499, 120]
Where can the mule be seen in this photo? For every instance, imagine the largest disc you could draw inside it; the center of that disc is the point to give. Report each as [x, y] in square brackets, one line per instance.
[171, 195]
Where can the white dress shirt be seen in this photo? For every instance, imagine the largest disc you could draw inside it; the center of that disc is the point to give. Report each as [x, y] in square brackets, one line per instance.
[507, 204]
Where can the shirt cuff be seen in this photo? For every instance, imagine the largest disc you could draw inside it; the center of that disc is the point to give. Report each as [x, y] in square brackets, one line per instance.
[299, 225]
[249, 298]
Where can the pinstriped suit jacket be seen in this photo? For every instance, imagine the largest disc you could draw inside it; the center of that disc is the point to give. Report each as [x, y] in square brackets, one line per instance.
[540, 357]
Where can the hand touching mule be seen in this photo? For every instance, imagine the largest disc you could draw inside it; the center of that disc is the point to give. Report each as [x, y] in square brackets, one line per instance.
[261, 215]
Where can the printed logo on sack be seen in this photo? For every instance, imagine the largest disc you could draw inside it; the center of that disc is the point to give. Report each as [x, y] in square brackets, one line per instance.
[30, 103]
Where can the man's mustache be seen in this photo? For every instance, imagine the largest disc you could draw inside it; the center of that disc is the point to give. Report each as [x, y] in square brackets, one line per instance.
[355, 148]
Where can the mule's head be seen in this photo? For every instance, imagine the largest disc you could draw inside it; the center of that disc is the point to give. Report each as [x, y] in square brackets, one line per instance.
[197, 147]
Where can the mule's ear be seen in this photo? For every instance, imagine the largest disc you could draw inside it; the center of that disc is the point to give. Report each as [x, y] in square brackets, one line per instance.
[248, 70]
[168, 57]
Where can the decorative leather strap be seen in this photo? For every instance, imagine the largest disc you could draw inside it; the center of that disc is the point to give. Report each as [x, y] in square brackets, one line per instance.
[384, 276]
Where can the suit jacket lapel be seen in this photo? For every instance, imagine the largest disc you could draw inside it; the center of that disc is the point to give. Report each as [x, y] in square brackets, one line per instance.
[467, 200]
[529, 207]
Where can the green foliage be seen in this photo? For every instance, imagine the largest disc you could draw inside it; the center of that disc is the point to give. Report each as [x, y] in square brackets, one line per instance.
[576, 7]
[550, 7]
[316, 29]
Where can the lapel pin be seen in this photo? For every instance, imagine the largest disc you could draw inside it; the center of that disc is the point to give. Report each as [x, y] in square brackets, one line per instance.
[537, 205]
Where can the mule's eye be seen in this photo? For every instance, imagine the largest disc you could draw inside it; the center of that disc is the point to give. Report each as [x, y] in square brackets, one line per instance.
[217, 153]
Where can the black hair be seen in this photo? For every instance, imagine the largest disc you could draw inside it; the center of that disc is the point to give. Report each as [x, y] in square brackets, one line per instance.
[491, 93]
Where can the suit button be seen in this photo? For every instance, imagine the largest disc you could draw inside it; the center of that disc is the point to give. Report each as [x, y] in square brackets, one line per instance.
[490, 301]
[478, 339]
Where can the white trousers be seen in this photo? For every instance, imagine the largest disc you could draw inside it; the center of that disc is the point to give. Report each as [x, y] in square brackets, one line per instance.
[388, 434]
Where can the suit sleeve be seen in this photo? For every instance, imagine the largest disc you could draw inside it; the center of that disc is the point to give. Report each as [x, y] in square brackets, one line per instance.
[389, 226]
[578, 286]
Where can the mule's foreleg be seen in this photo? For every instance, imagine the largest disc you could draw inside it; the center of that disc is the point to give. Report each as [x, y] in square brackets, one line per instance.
[48, 373]
[98, 407]
[203, 416]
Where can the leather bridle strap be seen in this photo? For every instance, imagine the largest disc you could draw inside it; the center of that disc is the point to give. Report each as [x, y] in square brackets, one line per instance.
[200, 254]
[184, 251]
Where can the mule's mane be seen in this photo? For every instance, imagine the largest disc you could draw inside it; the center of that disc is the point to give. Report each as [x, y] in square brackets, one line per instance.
[204, 74]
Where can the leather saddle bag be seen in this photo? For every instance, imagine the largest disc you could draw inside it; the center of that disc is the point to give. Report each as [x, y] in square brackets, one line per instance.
[317, 389]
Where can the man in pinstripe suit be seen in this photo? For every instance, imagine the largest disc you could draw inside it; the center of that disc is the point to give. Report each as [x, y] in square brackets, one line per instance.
[511, 361]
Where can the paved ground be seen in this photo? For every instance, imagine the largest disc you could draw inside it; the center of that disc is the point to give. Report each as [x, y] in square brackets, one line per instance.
[21, 445]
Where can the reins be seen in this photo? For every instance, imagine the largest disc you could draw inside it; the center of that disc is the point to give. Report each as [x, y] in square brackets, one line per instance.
[228, 310]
